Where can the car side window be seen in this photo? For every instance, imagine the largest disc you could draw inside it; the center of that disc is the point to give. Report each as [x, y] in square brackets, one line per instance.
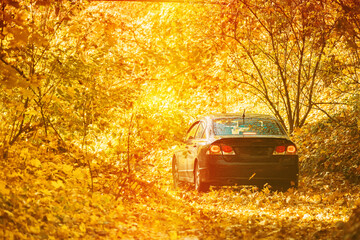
[200, 130]
[192, 131]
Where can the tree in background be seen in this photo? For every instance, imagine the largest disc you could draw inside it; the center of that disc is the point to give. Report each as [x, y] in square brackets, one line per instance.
[279, 51]
[31, 64]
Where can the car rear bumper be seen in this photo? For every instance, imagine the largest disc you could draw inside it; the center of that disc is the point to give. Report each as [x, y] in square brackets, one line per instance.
[220, 172]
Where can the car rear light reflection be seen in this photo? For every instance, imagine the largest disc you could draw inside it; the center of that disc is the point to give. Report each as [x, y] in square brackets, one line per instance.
[285, 150]
[222, 149]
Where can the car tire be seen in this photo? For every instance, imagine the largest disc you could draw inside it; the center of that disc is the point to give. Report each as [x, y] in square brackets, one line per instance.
[175, 174]
[199, 185]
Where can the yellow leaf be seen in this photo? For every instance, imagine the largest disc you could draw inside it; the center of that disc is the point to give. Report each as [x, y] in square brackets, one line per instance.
[173, 235]
[46, 192]
[9, 214]
[51, 218]
[35, 229]
[71, 92]
[317, 199]
[78, 174]
[57, 184]
[67, 168]
[3, 189]
[24, 152]
[82, 227]
[252, 176]
[93, 219]
[64, 227]
[120, 208]
[35, 162]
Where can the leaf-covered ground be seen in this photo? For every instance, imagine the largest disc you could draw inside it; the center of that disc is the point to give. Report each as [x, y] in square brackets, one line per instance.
[47, 196]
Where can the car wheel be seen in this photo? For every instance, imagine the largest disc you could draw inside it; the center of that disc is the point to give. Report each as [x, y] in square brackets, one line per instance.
[175, 173]
[199, 185]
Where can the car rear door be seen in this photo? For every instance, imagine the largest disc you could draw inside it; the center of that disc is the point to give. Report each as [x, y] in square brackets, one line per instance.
[187, 153]
[193, 148]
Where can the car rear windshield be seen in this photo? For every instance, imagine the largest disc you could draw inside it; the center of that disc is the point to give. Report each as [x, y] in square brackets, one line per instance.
[247, 126]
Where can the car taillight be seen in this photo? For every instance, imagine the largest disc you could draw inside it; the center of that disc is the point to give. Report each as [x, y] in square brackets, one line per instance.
[285, 150]
[280, 149]
[291, 149]
[215, 149]
[227, 150]
[220, 149]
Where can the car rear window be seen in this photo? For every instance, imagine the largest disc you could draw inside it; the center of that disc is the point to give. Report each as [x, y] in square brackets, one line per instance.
[247, 126]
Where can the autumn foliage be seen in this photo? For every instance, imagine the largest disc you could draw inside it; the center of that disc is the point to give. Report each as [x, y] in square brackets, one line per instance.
[96, 96]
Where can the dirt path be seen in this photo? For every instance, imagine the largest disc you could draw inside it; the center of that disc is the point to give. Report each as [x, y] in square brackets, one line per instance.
[317, 210]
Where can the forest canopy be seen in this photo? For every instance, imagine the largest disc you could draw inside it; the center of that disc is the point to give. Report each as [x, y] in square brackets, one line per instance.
[295, 59]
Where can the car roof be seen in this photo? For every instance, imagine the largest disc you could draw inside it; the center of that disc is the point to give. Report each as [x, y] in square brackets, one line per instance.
[239, 115]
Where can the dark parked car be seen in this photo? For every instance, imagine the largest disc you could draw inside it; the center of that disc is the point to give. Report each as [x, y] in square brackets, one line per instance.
[230, 149]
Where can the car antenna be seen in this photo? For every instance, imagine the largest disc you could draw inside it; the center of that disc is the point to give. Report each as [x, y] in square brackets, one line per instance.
[243, 116]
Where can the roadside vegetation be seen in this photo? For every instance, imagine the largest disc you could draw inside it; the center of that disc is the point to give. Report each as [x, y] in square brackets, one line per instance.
[96, 96]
